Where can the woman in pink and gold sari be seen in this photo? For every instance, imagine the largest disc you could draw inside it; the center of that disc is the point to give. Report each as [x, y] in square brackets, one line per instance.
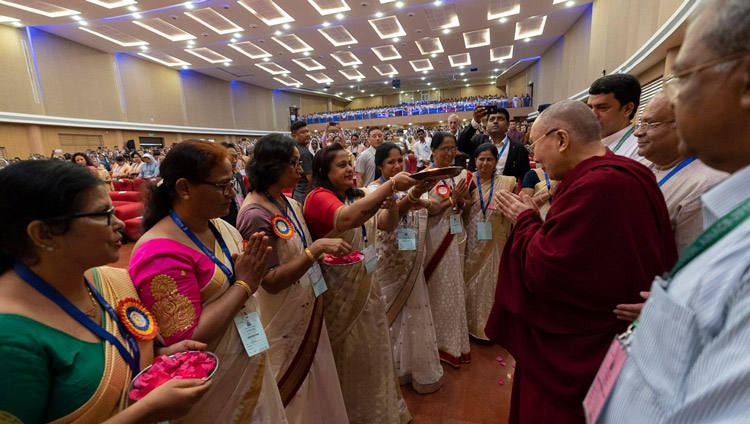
[290, 304]
[190, 269]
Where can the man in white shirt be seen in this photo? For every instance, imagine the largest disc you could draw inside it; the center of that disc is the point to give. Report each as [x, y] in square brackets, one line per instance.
[365, 162]
[614, 99]
[686, 360]
[422, 150]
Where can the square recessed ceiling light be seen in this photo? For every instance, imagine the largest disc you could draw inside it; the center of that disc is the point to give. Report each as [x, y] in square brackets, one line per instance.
[530, 27]
[4, 19]
[288, 81]
[111, 4]
[501, 8]
[327, 7]
[272, 68]
[215, 21]
[442, 17]
[421, 65]
[208, 55]
[320, 78]
[387, 27]
[501, 53]
[250, 50]
[430, 45]
[165, 29]
[338, 35]
[386, 1]
[292, 43]
[386, 53]
[386, 69]
[164, 59]
[309, 64]
[41, 8]
[267, 11]
[477, 38]
[352, 74]
[461, 59]
[346, 58]
[111, 34]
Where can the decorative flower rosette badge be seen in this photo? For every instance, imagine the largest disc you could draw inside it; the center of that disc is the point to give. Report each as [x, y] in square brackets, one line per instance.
[443, 191]
[137, 319]
[282, 227]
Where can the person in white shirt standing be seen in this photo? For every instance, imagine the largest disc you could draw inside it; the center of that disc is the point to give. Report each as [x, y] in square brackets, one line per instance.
[422, 150]
[365, 162]
[615, 99]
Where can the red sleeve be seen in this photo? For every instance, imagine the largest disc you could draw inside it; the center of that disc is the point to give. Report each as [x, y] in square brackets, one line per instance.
[320, 209]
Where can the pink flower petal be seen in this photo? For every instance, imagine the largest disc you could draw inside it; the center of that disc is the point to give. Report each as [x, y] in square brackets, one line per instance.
[500, 382]
[499, 359]
[503, 363]
[514, 365]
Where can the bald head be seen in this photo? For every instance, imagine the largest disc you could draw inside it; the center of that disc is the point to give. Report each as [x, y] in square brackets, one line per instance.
[573, 116]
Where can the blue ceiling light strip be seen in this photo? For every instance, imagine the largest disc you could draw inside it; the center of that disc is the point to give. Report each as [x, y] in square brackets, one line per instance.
[36, 67]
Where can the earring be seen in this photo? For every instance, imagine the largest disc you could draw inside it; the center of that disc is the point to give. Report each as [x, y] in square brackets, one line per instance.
[186, 197]
[49, 248]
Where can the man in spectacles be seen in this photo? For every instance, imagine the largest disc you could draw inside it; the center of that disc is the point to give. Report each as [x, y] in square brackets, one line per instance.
[606, 235]
[686, 360]
[301, 134]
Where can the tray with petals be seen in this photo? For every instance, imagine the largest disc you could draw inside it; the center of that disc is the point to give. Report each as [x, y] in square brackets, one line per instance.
[435, 174]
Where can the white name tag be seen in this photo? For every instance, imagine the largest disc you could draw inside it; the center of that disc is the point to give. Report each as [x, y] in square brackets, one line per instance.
[316, 279]
[252, 334]
[456, 224]
[484, 231]
[371, 259]
[604, 381]
[407, 239]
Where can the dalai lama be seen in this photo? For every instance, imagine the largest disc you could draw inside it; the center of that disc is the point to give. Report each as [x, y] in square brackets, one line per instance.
[606, 236]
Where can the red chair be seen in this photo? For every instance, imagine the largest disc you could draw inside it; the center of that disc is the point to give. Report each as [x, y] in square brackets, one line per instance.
[287, 192]
[123, 184]
[129, 211]
[124, 196]
[134, 228]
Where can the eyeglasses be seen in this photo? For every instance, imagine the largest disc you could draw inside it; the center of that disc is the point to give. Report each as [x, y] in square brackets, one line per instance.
[533, 143]
[108, 213]
[296, 164]
[226, 188]
[673, 82]
[646, 126]
[448, 149]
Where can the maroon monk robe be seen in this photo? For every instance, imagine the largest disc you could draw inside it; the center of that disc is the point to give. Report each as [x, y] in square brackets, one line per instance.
[607, 235]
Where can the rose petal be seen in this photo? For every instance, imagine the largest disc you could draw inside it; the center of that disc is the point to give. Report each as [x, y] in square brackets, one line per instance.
[499, 359]
[500, 382]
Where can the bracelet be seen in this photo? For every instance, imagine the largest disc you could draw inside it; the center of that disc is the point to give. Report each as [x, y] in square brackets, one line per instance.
[246, 287]
[410, 197]
[393, 187]
[310, 255]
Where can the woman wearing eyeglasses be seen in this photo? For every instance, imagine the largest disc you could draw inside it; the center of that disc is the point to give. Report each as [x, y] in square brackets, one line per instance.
[290, 302]
[66, 352]
[400, 274]
[487, 231]
[444, 263]
[354, 309]
[190, 270]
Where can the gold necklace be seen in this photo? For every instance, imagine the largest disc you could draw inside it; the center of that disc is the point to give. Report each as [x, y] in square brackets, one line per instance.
[92, 312]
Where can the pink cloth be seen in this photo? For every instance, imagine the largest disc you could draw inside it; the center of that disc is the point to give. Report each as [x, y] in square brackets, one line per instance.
[162, 260]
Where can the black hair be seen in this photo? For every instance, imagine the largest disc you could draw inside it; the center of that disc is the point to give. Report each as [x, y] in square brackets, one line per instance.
[439, 137]
[370, 129]
[383, 152]
[271, 158]
[421, 130]
[119, 158]
[190, 159]
[296, 125]
[626, 89]
[135, 154]
[321, 166]
[229, 145]
[38, 190]
[85, 156]
[484, 147]
[503, 111]
[354, 135]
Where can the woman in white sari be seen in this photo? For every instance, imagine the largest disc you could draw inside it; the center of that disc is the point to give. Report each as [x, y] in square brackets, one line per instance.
[291, 306]
[190, 269]
[400, 274]
[487, 231]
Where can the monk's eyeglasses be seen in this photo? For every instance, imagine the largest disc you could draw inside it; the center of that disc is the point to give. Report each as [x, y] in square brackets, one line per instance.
[533, 142]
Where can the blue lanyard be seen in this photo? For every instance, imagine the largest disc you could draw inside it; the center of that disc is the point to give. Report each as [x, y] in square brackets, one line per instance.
[43, 287]
[481, 197]
[503, 149]
[546, 177]
[676, 169]
[228, 272]
[364, 230]
[298, 227]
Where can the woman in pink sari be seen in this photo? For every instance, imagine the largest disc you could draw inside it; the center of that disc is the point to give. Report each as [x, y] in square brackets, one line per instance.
[190, 270]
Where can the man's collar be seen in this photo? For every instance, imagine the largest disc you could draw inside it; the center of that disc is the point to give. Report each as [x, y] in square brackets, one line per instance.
[725, 196]
[614, 138]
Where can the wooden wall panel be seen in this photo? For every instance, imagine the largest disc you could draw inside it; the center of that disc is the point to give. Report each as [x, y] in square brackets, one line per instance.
[17, 76]
[152, 91]
[206, 100]
[253, 107]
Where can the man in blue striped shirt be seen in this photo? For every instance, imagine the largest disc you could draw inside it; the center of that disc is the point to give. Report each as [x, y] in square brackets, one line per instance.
[687, 359]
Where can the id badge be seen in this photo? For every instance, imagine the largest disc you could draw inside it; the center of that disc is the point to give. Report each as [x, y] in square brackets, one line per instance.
[484, 231]
[407, 239]
[251, 332]
[456, 224]
[604, 381]
[316, 279]
[371, 259]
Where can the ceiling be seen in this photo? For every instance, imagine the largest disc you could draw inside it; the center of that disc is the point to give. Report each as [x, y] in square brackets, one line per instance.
[211, 37]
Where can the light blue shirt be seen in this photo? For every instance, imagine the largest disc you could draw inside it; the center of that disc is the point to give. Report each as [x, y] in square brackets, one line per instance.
[689, 361]
[149, 170]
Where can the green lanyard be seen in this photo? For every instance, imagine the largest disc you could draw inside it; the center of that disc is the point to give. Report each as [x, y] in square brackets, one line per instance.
[622, 140]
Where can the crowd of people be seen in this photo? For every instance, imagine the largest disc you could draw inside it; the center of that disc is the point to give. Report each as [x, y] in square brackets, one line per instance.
[615, 272]
[419, 107]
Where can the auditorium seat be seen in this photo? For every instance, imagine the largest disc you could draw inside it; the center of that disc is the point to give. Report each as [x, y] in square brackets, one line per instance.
[125, 196]
[124, 184]
[134, 228]
[128, 211]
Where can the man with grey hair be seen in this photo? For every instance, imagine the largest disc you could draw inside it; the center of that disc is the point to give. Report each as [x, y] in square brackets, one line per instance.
[686, 360]
[607, 234]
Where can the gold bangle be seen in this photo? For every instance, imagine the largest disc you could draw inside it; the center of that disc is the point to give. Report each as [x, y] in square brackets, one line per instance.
[393, 187]
[246, 287]
[310, 255]
[410, 197]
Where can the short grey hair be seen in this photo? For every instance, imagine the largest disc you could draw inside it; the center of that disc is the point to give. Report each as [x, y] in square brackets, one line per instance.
[730, 32]
[453, 116]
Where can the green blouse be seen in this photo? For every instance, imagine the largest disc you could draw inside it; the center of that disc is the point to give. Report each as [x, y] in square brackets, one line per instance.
[45, 373]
